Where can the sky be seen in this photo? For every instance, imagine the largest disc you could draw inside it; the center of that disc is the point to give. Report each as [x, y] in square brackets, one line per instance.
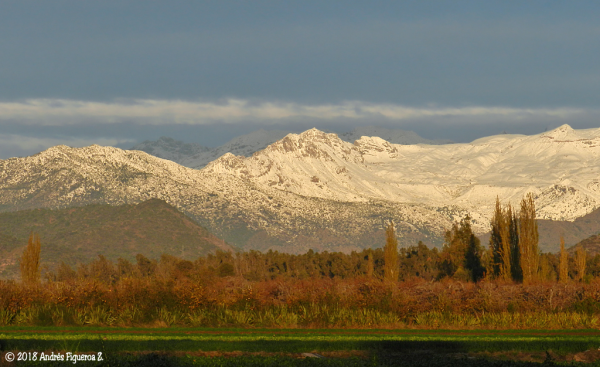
[120, 72]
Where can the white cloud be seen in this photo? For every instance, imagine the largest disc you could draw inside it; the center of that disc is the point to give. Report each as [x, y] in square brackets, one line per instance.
[60, 112]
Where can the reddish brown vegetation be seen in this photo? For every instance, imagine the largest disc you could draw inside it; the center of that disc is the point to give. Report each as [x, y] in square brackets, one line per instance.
[403, 298]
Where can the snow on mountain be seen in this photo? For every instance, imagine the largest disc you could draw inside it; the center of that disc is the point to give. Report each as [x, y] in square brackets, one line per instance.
[233, 208]
[197, 156]
[560, 167]
[314, 190]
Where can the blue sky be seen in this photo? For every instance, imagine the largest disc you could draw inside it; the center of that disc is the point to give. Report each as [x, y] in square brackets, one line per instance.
[118, 72]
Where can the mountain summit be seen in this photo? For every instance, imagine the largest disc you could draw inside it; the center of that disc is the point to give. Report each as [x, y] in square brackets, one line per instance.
[315, 190]
[197, 156]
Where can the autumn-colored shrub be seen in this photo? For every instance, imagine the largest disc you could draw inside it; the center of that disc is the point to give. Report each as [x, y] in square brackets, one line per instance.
[322, 302]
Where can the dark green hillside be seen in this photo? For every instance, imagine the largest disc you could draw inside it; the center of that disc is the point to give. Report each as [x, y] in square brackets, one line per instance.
[76, 235]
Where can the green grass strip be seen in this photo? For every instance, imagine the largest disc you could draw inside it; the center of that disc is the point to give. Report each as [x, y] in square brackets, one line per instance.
[295, 341]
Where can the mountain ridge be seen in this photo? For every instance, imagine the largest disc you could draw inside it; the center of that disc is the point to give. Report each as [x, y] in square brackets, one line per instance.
[314, 186]
[197, 156]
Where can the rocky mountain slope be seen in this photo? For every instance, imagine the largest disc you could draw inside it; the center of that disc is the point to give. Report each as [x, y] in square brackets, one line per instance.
[560, 167]
[198, 156]
[314, 190]
[80, 234]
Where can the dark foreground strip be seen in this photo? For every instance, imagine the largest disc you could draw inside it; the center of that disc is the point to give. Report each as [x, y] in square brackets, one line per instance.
[295, 346]
[409, 360]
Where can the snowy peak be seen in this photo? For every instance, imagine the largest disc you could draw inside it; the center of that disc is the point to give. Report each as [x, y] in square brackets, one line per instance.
[470, 176]
[315, 180]
[312, 143]
[562, 133]
[311, 164]
[370, 145]
[227, 163]
[198, 156]
[566, 133]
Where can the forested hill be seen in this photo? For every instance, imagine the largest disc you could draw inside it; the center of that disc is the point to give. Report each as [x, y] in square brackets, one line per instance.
[79, 235]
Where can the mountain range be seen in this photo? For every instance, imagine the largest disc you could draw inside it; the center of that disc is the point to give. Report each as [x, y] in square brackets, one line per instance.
[315, 190]
[197, 156]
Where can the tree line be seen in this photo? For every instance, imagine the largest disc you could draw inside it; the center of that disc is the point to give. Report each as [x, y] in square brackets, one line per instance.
[512, 255]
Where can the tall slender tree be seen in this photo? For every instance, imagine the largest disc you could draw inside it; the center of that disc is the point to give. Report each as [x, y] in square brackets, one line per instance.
[500, 242]
[513, 225]
[391, 254]
[528, 240]
[580, 262]
[30, 261]
[563, 263]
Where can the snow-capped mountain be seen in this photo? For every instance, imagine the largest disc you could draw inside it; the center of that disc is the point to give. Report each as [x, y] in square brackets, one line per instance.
[244, 214]
[394, 136]
[314, 190]
[561, 167]
[197, 156]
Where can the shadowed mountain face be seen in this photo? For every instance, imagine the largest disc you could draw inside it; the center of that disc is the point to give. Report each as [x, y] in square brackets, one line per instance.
[573, 232]
[591, 245]
[591, 224]
[76, 235]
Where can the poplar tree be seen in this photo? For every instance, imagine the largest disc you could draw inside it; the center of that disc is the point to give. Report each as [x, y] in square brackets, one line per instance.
[563, 264]
[580, 257]
[528, 240]
[500, 242]
[390, 254]
[513, 225]
[30, 261]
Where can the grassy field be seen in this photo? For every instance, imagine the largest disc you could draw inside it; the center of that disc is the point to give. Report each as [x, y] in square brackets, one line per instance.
[259, 347]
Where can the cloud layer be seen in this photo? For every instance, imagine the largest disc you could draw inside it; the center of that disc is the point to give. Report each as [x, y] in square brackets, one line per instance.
[61, 112]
